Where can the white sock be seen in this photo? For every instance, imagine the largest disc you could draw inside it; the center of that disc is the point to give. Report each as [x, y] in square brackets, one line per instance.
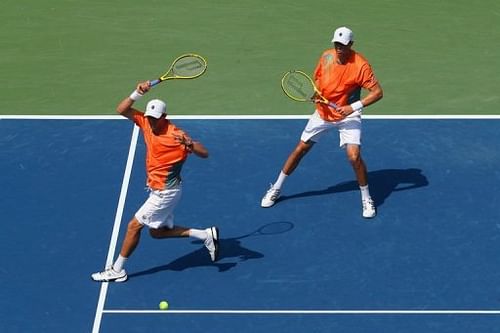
[365, 192]
[197, 233]
[279, 182]
[118, 265]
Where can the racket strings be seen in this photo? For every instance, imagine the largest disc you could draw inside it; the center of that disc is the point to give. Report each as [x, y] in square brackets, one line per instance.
[298, 86]
[189, 67]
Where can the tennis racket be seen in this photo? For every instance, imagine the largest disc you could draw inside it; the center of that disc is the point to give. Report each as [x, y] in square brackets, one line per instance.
[299, 86]
[186, 66]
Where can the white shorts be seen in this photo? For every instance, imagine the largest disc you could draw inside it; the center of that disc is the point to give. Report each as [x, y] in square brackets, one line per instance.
[158, 210]
[349, 129]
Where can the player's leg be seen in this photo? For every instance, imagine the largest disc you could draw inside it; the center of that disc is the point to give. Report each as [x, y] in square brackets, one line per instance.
[145, 216]
[290, 165]
[296, 156]
[132, 238]
[350, 139]
[161, 221]
[130, 242]
[354, 157]
[165, 232]
[312, 132]
[210, 236]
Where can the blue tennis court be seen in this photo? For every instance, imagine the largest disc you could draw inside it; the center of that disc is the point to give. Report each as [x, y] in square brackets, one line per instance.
[426, 263]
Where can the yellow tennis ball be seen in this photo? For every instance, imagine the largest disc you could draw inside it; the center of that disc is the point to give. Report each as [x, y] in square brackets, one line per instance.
[163, 305]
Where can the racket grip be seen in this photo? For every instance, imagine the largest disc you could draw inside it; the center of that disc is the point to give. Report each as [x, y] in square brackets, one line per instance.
[333, 105]
[154, 82]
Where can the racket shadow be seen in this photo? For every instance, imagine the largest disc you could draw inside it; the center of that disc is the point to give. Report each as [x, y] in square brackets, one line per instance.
[382, 184]
[232, 252]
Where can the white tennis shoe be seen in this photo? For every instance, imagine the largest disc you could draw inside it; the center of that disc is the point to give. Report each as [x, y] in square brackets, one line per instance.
[270, 197]
[369, 210]
[212, 242]
[109, 274]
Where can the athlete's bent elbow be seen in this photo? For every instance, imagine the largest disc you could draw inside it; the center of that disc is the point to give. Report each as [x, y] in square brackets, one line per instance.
[380, 94]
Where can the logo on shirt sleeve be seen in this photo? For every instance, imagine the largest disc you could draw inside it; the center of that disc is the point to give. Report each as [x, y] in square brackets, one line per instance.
[328, 59]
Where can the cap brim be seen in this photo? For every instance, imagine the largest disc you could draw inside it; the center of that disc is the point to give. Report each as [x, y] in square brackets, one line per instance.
[340, 41]
[153, 114]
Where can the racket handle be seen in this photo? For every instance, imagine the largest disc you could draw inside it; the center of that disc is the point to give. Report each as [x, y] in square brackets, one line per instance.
[330, 104]
[154, 82]
[333, 105]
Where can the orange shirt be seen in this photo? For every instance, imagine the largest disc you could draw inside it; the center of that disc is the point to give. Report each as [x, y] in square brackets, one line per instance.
[164, 155]
[341, 83]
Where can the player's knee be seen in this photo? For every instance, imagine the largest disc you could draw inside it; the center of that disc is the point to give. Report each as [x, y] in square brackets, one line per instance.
[355, 159]
[134, 226]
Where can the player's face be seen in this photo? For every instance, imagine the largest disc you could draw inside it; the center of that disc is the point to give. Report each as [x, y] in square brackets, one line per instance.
[343, 51]
[156, 124]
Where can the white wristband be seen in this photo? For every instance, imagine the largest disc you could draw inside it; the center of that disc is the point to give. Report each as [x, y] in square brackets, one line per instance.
[357, 106]
[135, 95]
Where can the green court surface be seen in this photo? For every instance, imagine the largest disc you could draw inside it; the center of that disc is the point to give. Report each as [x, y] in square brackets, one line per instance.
[81, 57]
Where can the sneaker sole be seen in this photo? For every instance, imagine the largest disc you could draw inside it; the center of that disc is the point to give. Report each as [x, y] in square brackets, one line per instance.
[370, 217]
[122, 279]
[270, 204]
[215, 236]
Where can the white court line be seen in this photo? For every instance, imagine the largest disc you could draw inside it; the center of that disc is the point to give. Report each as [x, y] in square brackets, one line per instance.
[241, 117]
[313, 312]
[60, 117]
[116, 227]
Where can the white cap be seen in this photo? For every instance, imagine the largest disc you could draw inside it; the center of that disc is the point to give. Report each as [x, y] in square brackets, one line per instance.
[155, 108]
[343, 36]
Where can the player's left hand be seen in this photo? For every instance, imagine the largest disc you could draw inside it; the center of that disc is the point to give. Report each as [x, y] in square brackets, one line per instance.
[184, 140]
[345, 110]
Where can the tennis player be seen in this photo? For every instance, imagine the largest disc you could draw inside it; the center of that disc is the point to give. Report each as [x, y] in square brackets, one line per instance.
[167, 149]
[340, 75]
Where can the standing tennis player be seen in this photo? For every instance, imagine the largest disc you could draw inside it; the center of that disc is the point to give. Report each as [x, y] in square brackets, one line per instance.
[340, 75]
[167, 148]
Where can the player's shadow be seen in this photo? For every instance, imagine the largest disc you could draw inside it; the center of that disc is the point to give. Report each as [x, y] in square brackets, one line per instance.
[382, 184]
[231, 252]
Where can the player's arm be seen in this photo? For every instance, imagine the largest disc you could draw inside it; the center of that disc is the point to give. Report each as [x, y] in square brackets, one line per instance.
[375, 93]
[125, 106]
[199, 149]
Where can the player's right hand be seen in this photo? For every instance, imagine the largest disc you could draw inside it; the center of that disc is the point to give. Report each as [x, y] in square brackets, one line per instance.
[315, 98]
[143, 87]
